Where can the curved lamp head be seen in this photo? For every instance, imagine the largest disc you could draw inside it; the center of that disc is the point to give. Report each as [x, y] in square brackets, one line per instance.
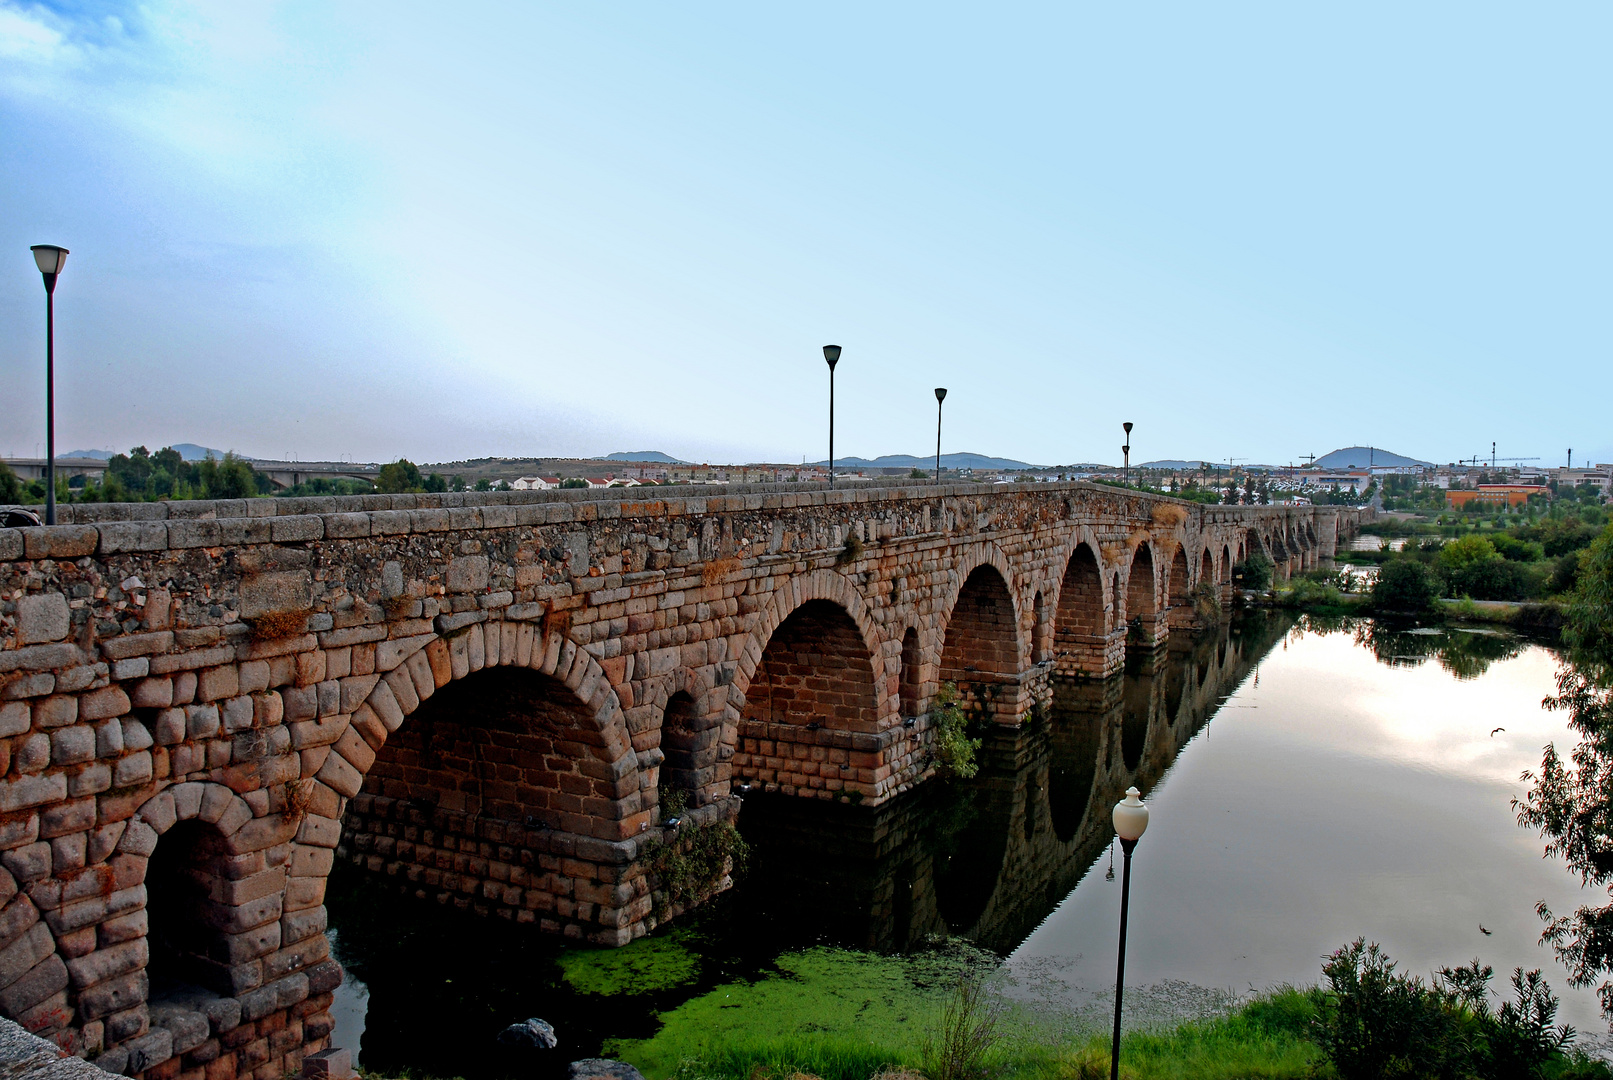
[1127, 426]
[49, 258]
[1131, 817]
[940, 393]
[831, 353]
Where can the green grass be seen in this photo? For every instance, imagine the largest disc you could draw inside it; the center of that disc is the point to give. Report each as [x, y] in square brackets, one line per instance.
[648, 964]
[842, 1015]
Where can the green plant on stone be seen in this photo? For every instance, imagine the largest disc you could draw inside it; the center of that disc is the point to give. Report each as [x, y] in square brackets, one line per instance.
[692, 862]
[1207, 601]
[954, 750]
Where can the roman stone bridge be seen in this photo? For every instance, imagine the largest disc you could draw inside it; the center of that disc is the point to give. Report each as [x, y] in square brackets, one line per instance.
[489, 698]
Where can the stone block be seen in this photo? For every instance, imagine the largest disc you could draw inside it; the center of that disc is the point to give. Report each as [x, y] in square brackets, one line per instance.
[333, 1064]
[42, 618]
[16, 716]
[47, 977]
[72, 745]
[108, 963]
[100, 704]
[53, 712]
[28, 791]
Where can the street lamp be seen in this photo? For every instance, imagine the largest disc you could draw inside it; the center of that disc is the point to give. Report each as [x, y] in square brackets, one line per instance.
[940, 396]
[831, 353]
[1131, 821]
[50, 260]
[1126, 450]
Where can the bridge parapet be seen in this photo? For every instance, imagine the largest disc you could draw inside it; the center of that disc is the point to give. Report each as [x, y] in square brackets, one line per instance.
[488, 699]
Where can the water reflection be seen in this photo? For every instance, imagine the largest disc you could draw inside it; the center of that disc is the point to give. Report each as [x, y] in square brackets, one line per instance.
[1279, 834]
[988, 861]
[1465, 651]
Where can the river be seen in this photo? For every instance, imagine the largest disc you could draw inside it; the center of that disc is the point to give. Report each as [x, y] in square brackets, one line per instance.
[1310, 782]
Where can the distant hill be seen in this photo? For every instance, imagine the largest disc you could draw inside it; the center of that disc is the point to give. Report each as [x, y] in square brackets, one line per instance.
[644, 455]
[908, 461]
[187, 450]
[1359, 457]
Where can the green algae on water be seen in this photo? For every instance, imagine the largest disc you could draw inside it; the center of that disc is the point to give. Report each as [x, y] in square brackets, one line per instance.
[642, 967]
[824, 994]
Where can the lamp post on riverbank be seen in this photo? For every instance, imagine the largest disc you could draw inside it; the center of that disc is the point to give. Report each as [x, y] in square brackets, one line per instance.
[940, 396]
[831, 353]
[1131, 821]
[50, 259]
[1126, 450]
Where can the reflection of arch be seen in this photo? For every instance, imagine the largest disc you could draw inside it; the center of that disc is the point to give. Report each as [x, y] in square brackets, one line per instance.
[1080, 603]
[1141, 589]
[911, 685]
[1181, 587]
[981, 630]
[1071, 773]
[816, 671]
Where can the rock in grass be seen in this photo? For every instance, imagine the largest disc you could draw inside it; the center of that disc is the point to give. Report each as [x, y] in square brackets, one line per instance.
[603, 1069]
[533, 1034]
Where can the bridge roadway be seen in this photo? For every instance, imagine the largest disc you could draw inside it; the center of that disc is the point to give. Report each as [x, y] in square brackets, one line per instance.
[488, 697]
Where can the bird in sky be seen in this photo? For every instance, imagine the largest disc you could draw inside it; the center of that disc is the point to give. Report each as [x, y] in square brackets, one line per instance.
[1494, 730]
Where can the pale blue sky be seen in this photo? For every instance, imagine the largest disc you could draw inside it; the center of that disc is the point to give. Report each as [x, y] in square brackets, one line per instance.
[449, 230]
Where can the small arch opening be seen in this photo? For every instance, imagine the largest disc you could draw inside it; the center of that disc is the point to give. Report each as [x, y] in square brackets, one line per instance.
[910, 684]
[1140, 590]
[185, 912]
[680, 780]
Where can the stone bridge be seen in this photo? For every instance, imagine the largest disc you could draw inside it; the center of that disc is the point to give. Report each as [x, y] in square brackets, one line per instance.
[489, 697]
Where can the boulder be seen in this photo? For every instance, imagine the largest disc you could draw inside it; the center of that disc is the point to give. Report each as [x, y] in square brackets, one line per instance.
[533, 1034]
[602, 1069]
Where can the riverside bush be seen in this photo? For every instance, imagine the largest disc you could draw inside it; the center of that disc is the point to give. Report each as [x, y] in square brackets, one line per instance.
[1374, 1023]
[1404, 585]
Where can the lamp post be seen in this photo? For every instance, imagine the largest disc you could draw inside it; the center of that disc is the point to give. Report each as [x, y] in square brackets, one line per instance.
[831, 353]
[50, 260]
[1126, 450]
[940, 396]
[1131, 821]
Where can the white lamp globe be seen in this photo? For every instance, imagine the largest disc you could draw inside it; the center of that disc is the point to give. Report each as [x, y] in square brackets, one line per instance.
[1131, 816]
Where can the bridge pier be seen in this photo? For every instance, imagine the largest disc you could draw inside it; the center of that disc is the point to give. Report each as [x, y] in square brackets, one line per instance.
[1089, 656]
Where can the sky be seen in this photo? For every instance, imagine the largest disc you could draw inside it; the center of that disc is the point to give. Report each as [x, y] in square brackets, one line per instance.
[363, 231]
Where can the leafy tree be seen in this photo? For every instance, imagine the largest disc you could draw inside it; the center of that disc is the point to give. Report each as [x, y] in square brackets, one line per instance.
[484, 484]
[574, 482]
[1253, 572]
[1404, 585]
[400, 476]
[1570, 802]
[435, 482]
[10, 485]
[231, 478]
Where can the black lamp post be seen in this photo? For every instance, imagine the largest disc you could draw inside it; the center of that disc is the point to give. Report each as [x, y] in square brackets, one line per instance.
[50, 260]
[831, 353]
[1126, 450]
[1131, 821]
[940, 396]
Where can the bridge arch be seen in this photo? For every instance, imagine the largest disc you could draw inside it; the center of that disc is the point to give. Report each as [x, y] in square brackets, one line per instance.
[980, 642]
[1179, 581]
[819, 585]
[1206, 566]
[815, 672]
[1142, 586]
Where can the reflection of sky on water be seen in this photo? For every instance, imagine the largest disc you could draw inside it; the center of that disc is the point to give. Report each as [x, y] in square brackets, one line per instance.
[1332, 797]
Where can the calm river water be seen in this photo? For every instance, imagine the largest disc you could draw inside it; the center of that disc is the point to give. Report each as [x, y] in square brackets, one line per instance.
[1310, 782]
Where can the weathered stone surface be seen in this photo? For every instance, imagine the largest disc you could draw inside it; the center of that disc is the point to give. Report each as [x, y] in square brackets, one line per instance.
[42, 618]
[531, 1034]
[602, 1069]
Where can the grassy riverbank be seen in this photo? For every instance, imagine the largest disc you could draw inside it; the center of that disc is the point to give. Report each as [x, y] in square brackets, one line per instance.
[1262, 1040]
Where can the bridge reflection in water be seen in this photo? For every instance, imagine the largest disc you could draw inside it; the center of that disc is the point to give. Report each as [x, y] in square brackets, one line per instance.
[989, 859]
